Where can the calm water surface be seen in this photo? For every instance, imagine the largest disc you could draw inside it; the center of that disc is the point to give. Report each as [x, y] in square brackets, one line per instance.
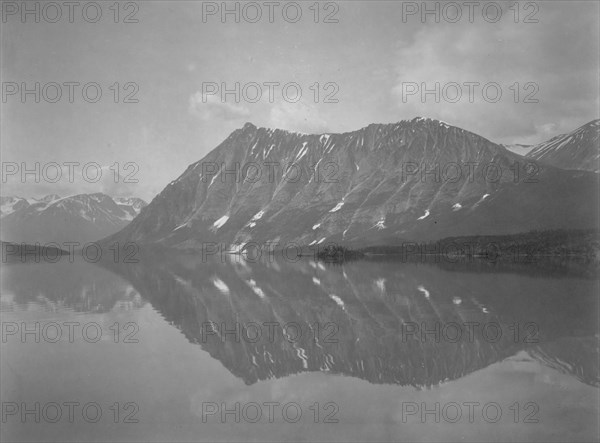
[365, 351]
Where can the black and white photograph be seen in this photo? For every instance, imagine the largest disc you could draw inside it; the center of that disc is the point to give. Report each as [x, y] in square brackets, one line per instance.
[300, 221]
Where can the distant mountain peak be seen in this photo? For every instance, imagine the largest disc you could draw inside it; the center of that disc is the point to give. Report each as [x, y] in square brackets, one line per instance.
[420, 119]
[80, 217]
[578, 149]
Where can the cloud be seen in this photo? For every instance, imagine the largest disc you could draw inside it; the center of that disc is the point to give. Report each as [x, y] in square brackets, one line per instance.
[120, 184]
[298, 117]
[520, 58]
[116, 180]
[213, 108]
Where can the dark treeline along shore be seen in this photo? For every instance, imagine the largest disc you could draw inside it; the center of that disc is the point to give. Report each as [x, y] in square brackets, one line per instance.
[575, 250]
[584, 243]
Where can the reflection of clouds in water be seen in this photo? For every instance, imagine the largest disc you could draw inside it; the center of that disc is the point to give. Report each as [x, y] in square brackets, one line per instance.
[77, 286]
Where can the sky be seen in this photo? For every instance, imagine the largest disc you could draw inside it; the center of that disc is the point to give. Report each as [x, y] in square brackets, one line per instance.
[353, 64]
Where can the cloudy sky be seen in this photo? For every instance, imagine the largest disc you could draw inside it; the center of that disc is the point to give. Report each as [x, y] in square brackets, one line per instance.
[542, 57]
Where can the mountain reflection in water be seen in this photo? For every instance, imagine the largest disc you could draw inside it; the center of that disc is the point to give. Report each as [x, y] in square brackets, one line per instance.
[385, 322]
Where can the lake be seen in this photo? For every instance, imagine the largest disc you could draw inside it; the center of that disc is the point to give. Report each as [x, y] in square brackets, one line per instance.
[184, 349]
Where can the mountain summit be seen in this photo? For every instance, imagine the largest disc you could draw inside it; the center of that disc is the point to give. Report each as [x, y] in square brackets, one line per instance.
[421, 179]
[579, 149]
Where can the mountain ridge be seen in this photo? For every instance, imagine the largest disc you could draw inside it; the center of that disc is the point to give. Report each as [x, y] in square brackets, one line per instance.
[370, 190]
[578, 149]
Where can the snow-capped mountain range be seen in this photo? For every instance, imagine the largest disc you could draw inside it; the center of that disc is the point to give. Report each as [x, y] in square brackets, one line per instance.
[79, 218]
[8, 205]
[371, 186]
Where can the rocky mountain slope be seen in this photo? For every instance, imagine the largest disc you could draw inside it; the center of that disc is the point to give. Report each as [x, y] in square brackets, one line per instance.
[579, 149]
[366, 187]
[79, 218]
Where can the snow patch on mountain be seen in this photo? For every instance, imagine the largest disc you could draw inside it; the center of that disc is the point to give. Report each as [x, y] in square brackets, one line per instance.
[220, 222]
[338, 300]
[180, 226]
[220, 285]
[257, 290]
[302, 152]
[337, 207]
[424, 215]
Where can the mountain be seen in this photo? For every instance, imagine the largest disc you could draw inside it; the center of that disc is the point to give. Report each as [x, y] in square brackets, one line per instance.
[360, 188]
[579, 149]
[79, 218]
[8, 205]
